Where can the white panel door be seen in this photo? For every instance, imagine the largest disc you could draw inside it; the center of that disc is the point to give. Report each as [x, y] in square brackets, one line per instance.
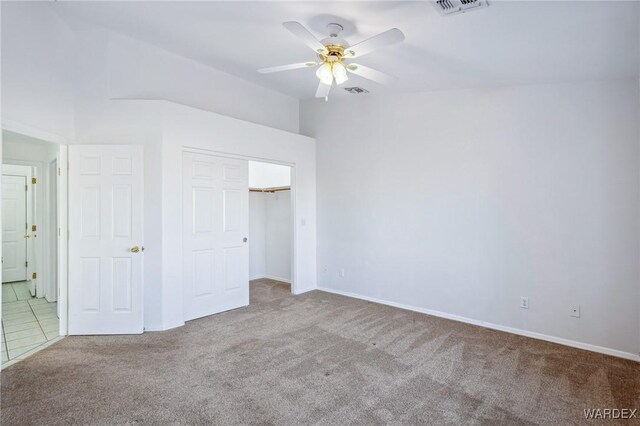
[216, 225]
[105, 239]
[14, 228]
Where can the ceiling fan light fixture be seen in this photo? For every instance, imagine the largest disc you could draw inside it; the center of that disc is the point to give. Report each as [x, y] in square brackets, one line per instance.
[325, 74]
[340, 73]
[332, 52]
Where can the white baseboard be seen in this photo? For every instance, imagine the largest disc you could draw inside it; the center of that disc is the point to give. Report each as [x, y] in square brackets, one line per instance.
[271, 277]
[162, 327]
[532, 334]
[303, 290]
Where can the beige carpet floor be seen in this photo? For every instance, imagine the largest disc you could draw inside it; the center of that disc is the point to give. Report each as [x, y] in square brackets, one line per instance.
[317, 358]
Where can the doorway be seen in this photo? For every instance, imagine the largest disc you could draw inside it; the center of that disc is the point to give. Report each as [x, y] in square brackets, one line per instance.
[30, 314]
[270, 226]
[219, 244]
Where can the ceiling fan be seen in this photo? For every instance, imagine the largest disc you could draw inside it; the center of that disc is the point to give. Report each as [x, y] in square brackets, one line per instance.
[334, 55]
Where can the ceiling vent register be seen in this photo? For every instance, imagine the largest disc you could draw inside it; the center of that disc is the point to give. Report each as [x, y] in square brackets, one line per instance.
[451, 7]
[356, 90]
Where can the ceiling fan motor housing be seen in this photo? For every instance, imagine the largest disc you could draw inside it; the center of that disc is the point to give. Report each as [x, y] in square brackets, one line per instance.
[334, 52]
[334, 29]
[333, 43]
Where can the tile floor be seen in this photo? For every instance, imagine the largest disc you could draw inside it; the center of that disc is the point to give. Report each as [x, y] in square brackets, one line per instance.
[27, 322]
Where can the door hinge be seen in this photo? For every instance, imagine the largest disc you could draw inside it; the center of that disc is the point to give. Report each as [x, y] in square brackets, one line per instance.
[34, 228]
[34, 276]
[58, 171]
[26, 187]
[33, 181]
[26, 264]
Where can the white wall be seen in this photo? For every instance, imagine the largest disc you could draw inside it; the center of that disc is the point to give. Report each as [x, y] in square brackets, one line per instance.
[142, 71]
[21, 148]
[462, 202]
[268, 175]
[278, 235]
[257, 235]
[37, 68]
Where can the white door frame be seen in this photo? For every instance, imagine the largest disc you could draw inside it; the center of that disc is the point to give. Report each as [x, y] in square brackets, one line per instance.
[51, 200]
[293, 196]
[63, 239]
[62, 194]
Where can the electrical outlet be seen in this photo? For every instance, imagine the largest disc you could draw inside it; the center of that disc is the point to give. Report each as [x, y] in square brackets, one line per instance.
[524, 302]
[575, 311]
[341, 272]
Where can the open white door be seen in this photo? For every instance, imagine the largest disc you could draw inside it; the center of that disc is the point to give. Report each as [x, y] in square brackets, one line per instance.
[105, 239]
[216, 225]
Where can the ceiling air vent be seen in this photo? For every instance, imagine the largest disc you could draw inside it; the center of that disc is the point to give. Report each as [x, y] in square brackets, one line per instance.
[356, 90]
[450, 7]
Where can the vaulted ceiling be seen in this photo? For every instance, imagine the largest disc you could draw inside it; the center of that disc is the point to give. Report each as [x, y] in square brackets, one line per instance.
[508, 43]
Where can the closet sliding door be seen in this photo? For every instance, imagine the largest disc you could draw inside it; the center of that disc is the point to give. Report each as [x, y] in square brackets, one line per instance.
[215, 234]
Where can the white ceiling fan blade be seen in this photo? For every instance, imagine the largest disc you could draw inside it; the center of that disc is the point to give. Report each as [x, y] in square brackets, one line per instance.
[371, 74]
[287, 67]
[323, 90]
[303, 34]
[384, 39]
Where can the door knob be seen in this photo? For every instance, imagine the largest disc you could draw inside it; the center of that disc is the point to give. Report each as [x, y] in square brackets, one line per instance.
[244, 240]
[27, 236]
[134, 249]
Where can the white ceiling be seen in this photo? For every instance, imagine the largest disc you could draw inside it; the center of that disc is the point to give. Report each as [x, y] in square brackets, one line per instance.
[508, 43]
[20, 139]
